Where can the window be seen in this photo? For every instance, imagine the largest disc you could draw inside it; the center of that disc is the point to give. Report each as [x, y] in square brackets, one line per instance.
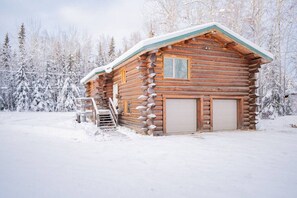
[176, 68]
[127, 106]
[123, 75]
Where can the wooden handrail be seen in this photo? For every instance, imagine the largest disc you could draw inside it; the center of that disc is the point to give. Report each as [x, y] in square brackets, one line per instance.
[94, 105]
[114, 111]
[95, 109]
[93, 102]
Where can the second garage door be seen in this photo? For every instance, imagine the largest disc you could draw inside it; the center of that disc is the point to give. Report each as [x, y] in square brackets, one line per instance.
[181, 115]
[224, 114]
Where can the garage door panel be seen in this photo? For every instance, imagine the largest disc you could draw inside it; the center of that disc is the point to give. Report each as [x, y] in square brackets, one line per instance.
[224, 114]
[181, 115]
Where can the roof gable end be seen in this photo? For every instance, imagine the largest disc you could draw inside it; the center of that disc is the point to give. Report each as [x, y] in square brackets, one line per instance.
[171, 38]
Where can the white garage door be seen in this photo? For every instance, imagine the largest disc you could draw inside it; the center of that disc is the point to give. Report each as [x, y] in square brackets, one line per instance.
[224, 114]
[181, 115]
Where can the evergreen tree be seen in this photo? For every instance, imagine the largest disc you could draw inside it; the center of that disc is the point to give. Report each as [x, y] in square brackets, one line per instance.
[6, 74]
[66, 99]
[22, 50]
[55, 58]
[48, 95]
[48, 99]
[70, 65]
[62, 72]
[31, 75]
[111, 52]
[38, 102]
[21, 94]
[6, 54]
[100, 57]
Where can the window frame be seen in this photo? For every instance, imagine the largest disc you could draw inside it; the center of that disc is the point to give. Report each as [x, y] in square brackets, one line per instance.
[173, 57]
[123, 73]
[126, 107]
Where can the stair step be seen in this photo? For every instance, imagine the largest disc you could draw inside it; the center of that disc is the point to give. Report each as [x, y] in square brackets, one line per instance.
[107, 127]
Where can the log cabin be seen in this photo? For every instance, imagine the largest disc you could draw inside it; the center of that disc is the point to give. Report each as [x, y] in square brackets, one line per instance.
[203, 78]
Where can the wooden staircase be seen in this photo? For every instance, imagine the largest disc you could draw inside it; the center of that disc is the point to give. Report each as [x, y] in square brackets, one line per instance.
[104, 118]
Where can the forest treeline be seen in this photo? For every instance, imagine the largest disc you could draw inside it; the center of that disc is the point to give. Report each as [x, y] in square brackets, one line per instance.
[42, 71]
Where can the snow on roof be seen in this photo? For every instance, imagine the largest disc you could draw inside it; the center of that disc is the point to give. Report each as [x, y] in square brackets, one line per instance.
[166, 39]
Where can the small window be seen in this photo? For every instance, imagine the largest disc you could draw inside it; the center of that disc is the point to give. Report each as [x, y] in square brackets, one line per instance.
[176, 68]
[123, 75]
[127, 106]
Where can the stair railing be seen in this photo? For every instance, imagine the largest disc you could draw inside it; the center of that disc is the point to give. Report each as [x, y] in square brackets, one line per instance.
[94, 106]
[114, 111]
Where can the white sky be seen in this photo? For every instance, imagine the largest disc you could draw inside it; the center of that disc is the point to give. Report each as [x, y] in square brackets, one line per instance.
[116, 18]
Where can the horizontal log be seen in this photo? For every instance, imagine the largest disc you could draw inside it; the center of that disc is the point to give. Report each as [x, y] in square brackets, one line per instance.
[210, 58]
[201, 50]
[201, 89]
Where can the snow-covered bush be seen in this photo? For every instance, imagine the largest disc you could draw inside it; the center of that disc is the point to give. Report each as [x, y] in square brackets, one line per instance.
[272, 105]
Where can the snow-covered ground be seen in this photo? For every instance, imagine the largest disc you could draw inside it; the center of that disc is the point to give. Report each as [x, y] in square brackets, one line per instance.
[49, 155]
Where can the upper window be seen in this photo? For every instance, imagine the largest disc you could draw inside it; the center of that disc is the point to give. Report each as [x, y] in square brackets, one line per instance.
[176, 68]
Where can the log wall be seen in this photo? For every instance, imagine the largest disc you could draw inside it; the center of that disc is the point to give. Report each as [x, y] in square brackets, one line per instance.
[129, 91]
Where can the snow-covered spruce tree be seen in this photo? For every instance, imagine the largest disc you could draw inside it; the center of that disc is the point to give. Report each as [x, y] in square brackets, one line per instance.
[31, 75]
[48, 95]
[100, 59]
[66, 99]
[48, 99]
[70, 65]
[111, 52]
[38, 102]
[6, 74]
[78, 63]
[22, 94]
[59, 68]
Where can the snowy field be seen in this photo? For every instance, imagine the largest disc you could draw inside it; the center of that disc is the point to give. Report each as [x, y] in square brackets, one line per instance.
[49, 155]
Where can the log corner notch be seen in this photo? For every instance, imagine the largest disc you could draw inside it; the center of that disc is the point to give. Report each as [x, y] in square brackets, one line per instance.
[101, 97]
[254, 67]
[147, 63]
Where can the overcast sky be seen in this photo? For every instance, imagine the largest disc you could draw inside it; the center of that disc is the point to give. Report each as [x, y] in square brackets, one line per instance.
[113, 17]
